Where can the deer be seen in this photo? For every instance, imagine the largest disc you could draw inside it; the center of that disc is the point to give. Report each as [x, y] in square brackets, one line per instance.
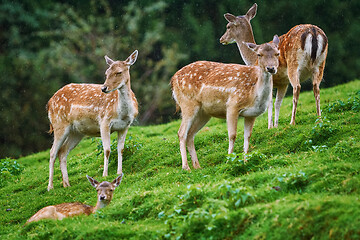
[303, 51]
[206, 89]
[105, 191]
[79, 110]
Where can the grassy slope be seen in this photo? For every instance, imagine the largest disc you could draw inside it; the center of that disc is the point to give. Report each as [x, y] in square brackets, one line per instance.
[292, 188]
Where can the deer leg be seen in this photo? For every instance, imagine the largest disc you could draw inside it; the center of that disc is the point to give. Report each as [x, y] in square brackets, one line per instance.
[187, 120]
[231, 121]
[71, 141]
[60, 134]
[198, 123]
[120, 148]
[270, 112]
[317, 78]
[105, 138]
[295, 83]
[248, 127]
[280, 94]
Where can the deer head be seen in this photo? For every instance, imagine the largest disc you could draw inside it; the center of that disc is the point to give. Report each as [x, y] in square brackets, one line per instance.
[105, 190]
[118, 75]
[239, 26]
[268, 55]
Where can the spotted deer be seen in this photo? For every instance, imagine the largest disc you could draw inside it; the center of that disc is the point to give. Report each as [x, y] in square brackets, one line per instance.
[303, 52]
[105, 191]
[79, 110]
[209, 89]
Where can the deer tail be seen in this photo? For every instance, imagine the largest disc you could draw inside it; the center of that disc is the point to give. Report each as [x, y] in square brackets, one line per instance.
[51, 130]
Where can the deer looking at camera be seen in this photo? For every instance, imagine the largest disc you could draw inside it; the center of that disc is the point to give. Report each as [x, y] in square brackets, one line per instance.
[209, 89]
[105, 191]
[79, 110]
[303, 52]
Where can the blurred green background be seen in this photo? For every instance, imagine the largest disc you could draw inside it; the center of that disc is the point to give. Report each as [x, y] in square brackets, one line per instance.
[47, 44]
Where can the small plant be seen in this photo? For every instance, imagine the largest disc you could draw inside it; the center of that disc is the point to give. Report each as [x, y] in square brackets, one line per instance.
[352, 103]
[322, 148]
[131, 146]
[237, 166]
[319, 133]
[291, 181]
[204, 211]
[8, 169]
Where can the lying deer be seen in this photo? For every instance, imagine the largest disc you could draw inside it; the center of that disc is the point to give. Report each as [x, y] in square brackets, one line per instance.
[209, 89]
[303, 52]
[105, 191]
[79, 110]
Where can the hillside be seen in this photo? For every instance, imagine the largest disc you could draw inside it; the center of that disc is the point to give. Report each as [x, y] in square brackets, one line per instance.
[301, 181]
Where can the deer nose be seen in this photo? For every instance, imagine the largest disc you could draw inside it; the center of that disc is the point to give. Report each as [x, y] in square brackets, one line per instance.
[271, 70]
[104, 89]
[102, 197]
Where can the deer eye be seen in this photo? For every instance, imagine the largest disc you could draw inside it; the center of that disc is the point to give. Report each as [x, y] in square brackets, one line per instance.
[259, 55]
[118, 73]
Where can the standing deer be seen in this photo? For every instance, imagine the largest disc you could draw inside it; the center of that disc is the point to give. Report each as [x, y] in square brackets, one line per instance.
[303, 52]
[105, 191]
[77, 110]
[209, 89]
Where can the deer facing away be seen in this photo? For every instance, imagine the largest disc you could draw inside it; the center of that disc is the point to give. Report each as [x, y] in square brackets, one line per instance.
[79, 110]
[303, 52]
[105, 191]
[209, 89]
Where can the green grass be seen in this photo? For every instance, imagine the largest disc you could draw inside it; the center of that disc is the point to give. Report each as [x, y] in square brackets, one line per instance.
[301, 182]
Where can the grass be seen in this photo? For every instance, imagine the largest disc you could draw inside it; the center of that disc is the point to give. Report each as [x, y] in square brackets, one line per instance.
[301, 182]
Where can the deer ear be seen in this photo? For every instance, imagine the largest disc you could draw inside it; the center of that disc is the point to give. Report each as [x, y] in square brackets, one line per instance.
[117, 180]
[229, 17]
[92, 181]
[252, 12]
[252, 46]
[276, 40]
[132, 58]
[108, 60]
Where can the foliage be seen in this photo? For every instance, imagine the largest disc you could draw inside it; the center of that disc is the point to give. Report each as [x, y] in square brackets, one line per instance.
[9, 169]
[352, 103]
[282, 192]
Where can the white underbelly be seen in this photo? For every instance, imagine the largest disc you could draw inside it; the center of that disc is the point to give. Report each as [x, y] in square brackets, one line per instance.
[121, 124]
[87, 126]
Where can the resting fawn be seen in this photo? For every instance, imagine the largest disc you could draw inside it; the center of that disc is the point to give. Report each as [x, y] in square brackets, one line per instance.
[209, 89]
[105, 191]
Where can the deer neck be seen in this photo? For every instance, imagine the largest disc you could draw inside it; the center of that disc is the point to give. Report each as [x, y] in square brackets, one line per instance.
[263, 87]
[125, 104]
[262, 94]
[99, 205]
[247, 54]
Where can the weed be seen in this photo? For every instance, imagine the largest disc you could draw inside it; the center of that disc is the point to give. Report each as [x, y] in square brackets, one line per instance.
[237, 166]
[131, 146]
[9, 169]
[352, 103]
[291, 181]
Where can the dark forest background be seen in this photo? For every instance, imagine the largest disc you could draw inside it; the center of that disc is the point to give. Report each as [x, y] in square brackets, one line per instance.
[47, 44]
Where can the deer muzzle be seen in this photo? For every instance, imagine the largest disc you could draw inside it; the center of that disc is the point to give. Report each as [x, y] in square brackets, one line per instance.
[104, 89]
[271, 70]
